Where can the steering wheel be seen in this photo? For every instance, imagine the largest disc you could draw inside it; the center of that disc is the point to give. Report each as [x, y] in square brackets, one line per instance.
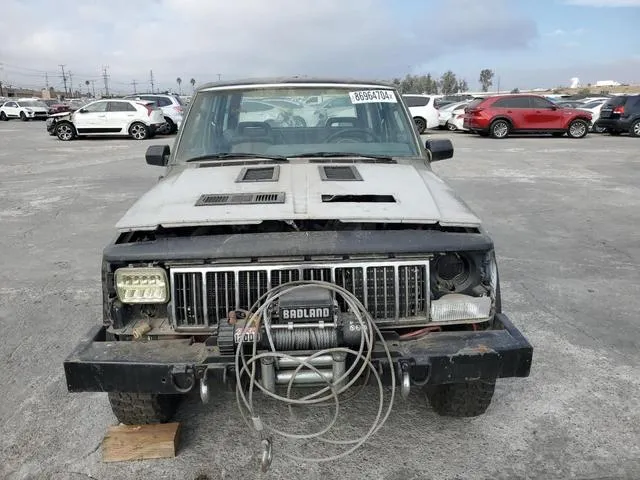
[351, 135]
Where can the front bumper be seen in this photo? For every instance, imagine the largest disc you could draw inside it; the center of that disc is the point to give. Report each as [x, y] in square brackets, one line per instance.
[176, 366]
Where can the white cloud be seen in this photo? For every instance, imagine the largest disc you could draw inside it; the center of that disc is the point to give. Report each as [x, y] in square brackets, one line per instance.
[200, 38]
[604, 3]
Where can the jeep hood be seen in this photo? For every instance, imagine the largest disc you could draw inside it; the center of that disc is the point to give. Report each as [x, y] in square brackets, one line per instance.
[414, 194]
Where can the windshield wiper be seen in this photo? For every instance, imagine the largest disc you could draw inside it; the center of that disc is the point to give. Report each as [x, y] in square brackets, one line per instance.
[227, 156]
[341, 155]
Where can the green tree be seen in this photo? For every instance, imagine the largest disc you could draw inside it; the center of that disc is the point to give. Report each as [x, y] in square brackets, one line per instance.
[486, 79]
[193, 84]
[448, 83]
[515, 90]
[179, 82]
[463, 86]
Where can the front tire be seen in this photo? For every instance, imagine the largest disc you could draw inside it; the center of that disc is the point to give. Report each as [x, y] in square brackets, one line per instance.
[578, 129]
[421, 124]
[468, 399]
[3, 117]
[143, 408]
[65, 131]
[499, 129]
[635, 129]
[451, 127]
[139, 131]
[23, 117]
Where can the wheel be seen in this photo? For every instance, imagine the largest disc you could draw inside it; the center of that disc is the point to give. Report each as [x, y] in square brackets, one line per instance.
[578, 129]
[421, 124]
[23, 117]
[557, 134]
[451, 127]
[168, 127]
[299, 122]
[65, 131]
[143, 408]
[3, 117]
[468, 399]
[499, 129]
[635, 129]
[139, 131]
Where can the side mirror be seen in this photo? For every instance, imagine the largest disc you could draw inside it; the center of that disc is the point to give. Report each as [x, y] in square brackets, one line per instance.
[554, 107]
[440, 149]
[82, 110]
[158, 155]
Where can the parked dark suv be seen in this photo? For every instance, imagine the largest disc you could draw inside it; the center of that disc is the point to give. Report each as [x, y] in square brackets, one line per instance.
[621, 114]
[499, 116]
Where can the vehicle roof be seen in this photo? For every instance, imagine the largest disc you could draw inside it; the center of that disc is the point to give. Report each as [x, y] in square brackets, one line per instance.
[294, 79]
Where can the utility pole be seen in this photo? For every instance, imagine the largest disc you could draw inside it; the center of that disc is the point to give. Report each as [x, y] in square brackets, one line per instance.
[46, 80]
[93, 88]
[498, 84]
[134, 83]
[64, 79]
[105, 78]
[219, 76]
[70, 84]
[151, 81]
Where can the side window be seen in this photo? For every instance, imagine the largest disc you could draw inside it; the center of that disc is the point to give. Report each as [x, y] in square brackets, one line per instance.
[416, 101]
[12, 104]
[520, 102]
[121, 107]
[250, 107]
[537, 102]
[502, 103]
[163, 102]
[97, 107]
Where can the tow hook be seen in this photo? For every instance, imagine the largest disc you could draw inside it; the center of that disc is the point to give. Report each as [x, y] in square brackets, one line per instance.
[204, 388]
[267, 455]
[405, 382]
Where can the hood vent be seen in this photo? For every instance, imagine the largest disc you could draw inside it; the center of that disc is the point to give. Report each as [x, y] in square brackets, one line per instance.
[358, 199]
[259, 174]
[240, 199]
[339, 173]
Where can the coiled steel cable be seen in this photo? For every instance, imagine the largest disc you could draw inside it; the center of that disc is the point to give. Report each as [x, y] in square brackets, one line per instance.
[330, 393]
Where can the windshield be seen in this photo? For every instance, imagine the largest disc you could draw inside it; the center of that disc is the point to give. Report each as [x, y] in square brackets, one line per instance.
[264, 121]
[32, 103]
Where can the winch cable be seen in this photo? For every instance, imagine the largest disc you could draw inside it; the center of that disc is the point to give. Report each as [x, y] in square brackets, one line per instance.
[258, 314]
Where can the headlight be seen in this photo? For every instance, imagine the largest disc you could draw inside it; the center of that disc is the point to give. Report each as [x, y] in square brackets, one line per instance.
[455, 306]
[142, 285]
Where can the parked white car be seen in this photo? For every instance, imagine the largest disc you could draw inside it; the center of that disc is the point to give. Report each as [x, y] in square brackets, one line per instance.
[445, 113]
[172, 109]
[456, 122]
[25, 109]
[594, 108]
[114, 117]
[423, 110]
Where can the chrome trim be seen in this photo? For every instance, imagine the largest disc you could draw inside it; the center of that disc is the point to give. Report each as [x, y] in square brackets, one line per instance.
[414, 320]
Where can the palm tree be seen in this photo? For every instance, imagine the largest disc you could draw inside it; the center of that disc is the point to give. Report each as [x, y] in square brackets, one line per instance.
[179, 82]
[193, 84]
[86, 82]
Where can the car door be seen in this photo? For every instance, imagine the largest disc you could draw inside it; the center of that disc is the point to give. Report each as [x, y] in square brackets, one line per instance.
[11, 109]
[91, 118]
[120, 114]
[544, 115]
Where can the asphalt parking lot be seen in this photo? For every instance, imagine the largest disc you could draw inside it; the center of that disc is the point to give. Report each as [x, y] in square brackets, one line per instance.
[565, 217]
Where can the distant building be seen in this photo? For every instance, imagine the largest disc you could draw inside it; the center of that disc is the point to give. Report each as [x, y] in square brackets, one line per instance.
[607, 83]
[575, 82]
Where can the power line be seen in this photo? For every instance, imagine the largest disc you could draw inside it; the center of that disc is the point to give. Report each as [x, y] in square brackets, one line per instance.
[64, 79]
[105, 78]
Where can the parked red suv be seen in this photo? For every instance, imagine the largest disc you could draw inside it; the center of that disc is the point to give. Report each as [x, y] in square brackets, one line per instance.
[501, 115]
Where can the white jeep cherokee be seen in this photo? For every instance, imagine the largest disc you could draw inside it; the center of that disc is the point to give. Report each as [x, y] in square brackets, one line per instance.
[279, 255]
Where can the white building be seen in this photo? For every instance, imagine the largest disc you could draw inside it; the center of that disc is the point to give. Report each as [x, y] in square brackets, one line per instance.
[607, 83]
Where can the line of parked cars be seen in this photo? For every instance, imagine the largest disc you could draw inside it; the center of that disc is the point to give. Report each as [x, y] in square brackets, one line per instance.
[501, 115]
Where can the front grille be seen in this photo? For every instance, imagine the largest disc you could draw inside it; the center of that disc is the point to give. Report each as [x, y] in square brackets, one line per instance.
[391, 291]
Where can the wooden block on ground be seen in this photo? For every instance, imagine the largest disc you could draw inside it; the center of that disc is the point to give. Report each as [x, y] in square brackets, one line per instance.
[140, 442]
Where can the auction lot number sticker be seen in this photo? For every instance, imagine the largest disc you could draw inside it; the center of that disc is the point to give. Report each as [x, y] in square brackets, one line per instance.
[373, 96]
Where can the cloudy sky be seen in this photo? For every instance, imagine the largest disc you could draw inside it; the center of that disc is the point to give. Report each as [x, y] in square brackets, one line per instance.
[527, 43]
